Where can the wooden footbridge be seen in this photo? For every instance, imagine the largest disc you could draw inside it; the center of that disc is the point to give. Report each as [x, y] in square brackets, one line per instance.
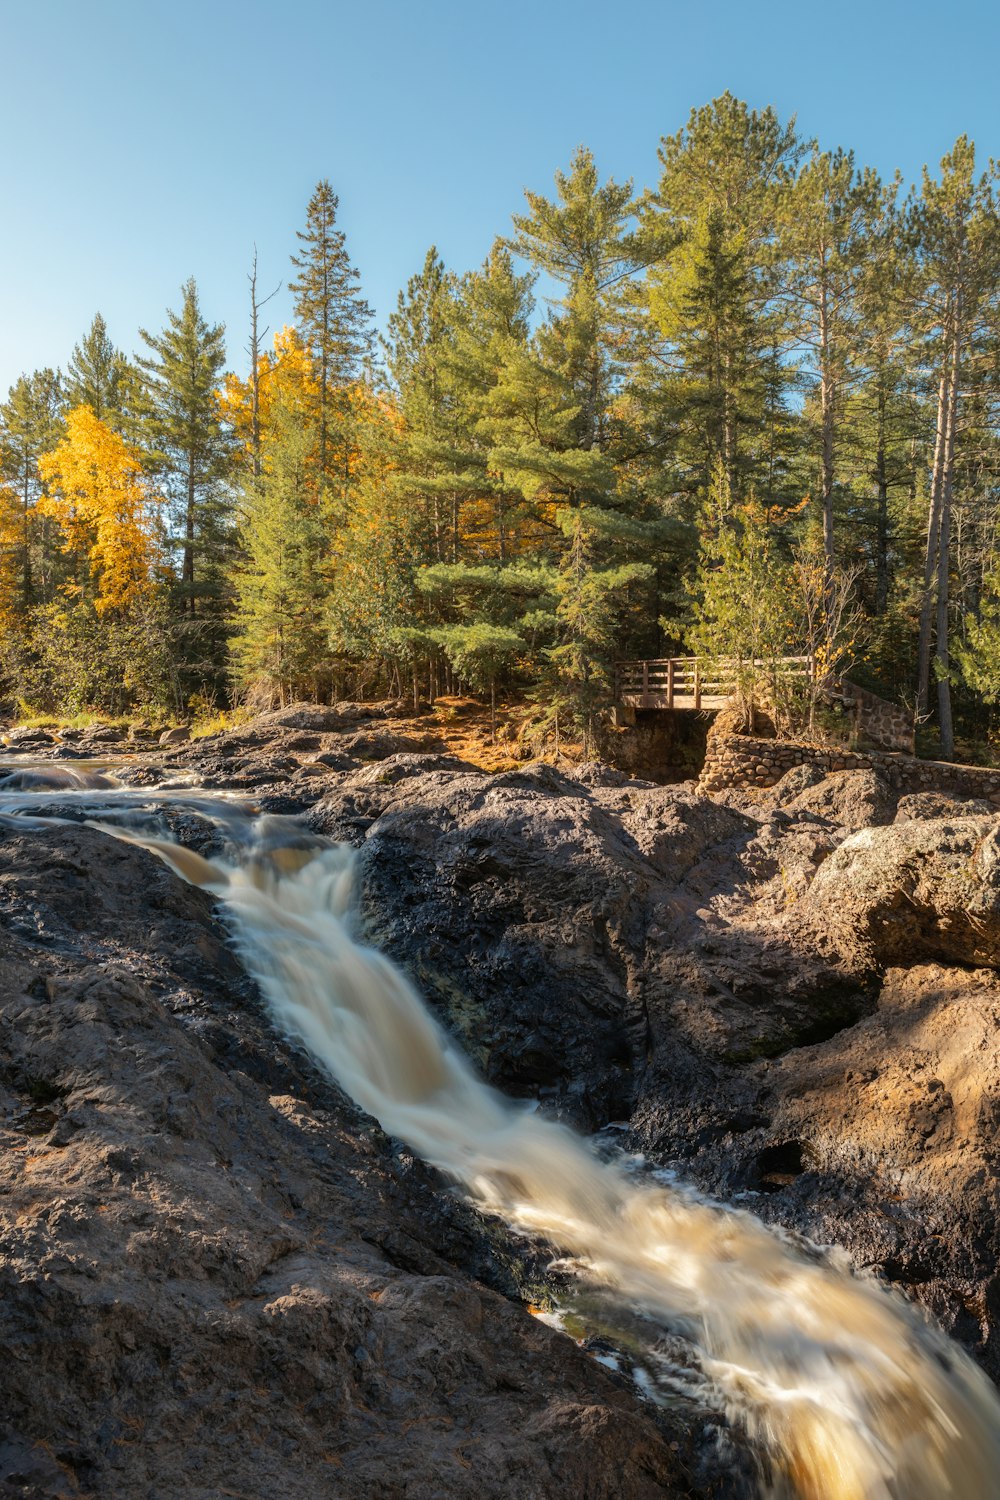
[694, 682]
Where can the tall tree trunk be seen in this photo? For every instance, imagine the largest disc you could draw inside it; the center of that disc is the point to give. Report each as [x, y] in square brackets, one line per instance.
[728, 428]
[881, 511]
[256, 334]
[826, 384]
[933, 542]
[254, 373]
[26, 587]
[942, 655]
[187, 570]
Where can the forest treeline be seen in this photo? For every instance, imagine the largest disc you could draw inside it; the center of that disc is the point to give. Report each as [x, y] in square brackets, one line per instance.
[748, 411]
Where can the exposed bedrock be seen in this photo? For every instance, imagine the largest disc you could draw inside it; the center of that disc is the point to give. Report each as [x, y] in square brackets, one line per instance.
[215, 1268]
[780, 998]
[216, 1276]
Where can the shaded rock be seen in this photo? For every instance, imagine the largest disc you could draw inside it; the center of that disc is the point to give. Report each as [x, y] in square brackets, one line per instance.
[178, 736]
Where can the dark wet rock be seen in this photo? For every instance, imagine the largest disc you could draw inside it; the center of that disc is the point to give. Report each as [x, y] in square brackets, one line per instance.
[216, 1276]
[26, 738]
[101, 734]
[785, 995]
[568, 933]
[648, 955]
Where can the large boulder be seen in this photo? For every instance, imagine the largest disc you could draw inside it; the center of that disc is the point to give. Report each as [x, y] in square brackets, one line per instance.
[927, 889]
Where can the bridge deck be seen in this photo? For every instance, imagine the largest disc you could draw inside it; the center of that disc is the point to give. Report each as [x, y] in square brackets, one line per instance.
[689, 681]
[680, 700]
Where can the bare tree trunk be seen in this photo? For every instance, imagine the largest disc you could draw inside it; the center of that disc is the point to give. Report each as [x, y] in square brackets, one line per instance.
[253, 349]
[882, 512]
[933, 542]
[254, 371]
[942, 656]
[827, 422]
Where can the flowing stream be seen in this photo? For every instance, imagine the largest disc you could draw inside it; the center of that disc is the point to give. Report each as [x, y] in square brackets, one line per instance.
[848, 1391]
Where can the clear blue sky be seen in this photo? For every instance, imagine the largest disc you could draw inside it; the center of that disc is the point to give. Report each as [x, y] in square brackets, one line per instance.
[144, 141]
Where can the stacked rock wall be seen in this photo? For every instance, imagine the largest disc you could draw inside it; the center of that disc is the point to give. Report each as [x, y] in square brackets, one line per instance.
[884, 725]
[738, 760]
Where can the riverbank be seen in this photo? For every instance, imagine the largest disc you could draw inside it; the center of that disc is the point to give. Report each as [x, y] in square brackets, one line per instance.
[792, 1000]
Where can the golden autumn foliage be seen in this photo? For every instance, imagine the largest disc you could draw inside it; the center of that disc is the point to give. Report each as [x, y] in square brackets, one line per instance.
[11, 554]
[98, 494]
[283, 377]
[286, 381]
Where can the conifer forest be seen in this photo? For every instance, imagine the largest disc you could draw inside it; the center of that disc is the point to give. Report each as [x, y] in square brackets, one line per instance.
[749, 410]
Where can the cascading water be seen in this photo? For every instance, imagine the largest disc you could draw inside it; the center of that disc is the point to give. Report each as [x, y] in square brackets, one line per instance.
[849, 1393]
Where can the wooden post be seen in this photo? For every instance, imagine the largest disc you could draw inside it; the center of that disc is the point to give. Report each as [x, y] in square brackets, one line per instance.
[697, 683]
[645, 684]
[670, 683]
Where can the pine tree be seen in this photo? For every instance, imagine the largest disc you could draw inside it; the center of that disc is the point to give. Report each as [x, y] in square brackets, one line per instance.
[30, 424]
[280, 650]
[882, 418]
[334, 321]
[561, 427]
[98, 375]
[420, 355]
[828, 216]
[718, 378]
[957, 229]
[743, 596]
[190, 453]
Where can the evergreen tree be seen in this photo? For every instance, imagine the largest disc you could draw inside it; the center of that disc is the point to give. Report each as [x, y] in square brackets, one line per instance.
[280, 650]
[957, 231]
[743, 596]
[334, 321]
[561, 427]
[883, 415]
[98, 376]
[31, 423]
[718, 378]
[828, 216]
[190, 451]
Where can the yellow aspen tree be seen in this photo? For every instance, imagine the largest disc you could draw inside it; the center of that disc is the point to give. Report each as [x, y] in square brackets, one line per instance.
[11, 553]
[284, 378]
[102, 500]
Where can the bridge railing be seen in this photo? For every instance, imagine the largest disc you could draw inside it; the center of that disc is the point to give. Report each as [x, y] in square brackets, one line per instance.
[691, 681]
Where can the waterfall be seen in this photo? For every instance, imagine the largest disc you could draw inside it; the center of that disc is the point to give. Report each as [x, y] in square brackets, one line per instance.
[850, 1394]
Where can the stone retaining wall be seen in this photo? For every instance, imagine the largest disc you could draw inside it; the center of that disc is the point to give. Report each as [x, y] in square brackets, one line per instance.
[738, 760]
[884, 725]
